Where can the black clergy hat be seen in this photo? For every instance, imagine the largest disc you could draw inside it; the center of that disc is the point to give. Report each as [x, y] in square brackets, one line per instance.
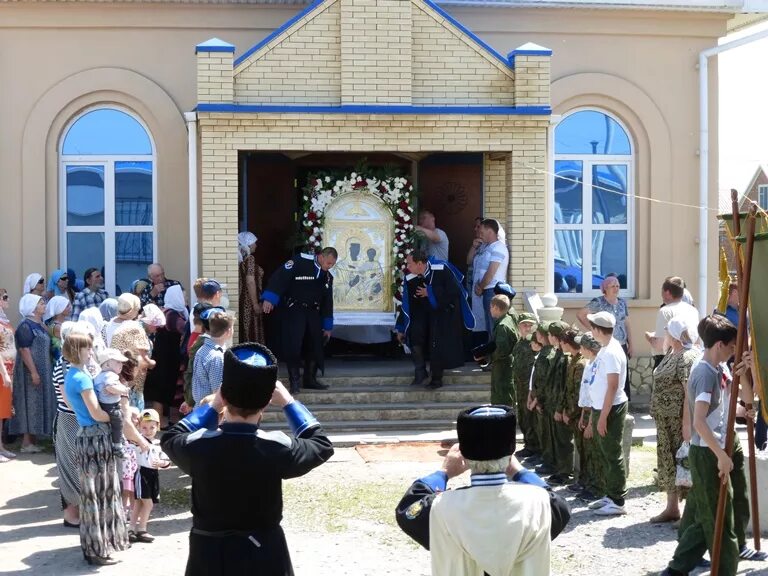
[486, 432]
[250, 373]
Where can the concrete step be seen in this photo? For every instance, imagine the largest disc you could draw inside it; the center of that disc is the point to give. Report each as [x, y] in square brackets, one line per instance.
[468, 393]
[449, 379]
[380, 413]
[392, 428]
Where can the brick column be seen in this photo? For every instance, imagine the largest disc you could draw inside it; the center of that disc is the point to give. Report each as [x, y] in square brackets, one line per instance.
[531, 63]
[215, 82]
[376, 52]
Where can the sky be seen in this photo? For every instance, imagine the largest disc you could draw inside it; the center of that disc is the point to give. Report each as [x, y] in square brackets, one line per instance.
[743, 81]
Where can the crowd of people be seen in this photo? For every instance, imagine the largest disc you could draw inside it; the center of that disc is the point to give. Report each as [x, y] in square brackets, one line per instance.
[104, 376]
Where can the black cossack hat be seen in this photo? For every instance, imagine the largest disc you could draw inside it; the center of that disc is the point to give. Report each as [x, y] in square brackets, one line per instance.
[486, 432]
[250, 373]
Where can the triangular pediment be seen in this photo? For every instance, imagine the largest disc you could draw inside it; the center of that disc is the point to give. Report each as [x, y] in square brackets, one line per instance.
[373, 52]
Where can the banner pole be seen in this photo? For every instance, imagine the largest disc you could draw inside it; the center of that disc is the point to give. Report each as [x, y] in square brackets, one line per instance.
[730, 431]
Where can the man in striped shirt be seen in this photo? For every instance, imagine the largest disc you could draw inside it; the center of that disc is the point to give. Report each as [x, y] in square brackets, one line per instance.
[208, 368]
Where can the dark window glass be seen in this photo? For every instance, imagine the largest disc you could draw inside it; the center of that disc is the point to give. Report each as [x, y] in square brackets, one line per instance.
[569, 192]
[133, 253]
[85, 195]
[609, 254]
[568, 261]
[591, 132]
[133, 193]
[85, 250]
[106, 132]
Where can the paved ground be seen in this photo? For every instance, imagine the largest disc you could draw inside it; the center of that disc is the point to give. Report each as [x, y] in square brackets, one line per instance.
[338, 520]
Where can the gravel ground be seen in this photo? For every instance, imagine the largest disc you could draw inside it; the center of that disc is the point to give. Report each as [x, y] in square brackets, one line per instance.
[338, 519]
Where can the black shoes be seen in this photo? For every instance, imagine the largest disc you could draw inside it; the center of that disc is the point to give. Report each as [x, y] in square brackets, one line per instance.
[524, 453]
[313, 384]
[559, 479]
[544, 469]
[587, 496]
[419, 378]
[435, 384]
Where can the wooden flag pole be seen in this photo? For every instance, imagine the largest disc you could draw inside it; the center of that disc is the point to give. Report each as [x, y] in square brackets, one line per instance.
[753, 498]
[741, 340]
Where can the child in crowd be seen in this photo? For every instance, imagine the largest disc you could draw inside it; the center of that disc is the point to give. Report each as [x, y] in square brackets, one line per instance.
[209, 360]
[109, 389]
[541, 398]
[569, 405]
[499, 352]
[130, 467]
[709, 390]
[562, 438]
[589, 476]
[147, 481]
[609, 409]
[200, 329]
[522, 365]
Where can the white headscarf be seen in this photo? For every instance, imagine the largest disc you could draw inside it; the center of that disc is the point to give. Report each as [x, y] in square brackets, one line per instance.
[244, 241]
[56, 306]
[153, 316]
[174, 300]
[94, 318]
[678, 330]
[28, 303]
[31, 282]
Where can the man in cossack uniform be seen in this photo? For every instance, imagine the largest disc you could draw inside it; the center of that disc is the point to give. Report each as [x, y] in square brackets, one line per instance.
[303, 288]
[502, 523]
[237, 468]
[430, 320]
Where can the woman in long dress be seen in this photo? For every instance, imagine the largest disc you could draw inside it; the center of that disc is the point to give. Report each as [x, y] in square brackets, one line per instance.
[251, 287]
[7, 360]
[34, 402]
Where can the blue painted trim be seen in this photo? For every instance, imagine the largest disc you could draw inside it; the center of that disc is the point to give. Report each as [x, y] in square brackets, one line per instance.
[328, 323]
[437, 481]
[214, 49]
[377, 109]
[468, 32]
[309, 9]
[270, 297]
[511, 55]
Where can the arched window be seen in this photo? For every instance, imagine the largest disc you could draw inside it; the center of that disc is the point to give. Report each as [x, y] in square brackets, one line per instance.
[594, 205]
[108, 191]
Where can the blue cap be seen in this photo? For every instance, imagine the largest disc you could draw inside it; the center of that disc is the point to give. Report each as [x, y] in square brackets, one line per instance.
[504, 288]
[206, 314]
[252, 357]
[210, 288]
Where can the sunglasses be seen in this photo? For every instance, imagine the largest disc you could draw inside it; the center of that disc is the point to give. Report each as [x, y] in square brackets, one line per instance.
[4, 297]
[41, 281]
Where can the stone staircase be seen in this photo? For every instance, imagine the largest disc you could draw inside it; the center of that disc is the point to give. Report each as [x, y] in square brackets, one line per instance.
[375, 397]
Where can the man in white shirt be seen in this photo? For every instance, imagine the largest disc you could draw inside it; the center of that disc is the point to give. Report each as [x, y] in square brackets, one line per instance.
[438, 239]
[672, 293]
[490, 268]
[609, 408]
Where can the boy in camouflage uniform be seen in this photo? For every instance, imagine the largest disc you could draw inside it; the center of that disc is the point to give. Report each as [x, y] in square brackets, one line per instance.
[591, 474]
[504, 339]
[570, 404]
[562, 437]
[542, 399]
[522, 364]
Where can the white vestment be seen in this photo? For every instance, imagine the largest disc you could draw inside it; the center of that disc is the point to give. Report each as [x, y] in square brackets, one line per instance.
[502, 530]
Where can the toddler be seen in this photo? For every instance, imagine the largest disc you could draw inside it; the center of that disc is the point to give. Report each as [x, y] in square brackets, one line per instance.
[109, 389]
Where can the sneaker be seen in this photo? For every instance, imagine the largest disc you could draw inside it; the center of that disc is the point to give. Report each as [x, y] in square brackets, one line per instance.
[575, 487]
[597, 504]
[747, 553]
[587, 496]
[7, 453]
[610, 509]
[31, 449]
[4, 459]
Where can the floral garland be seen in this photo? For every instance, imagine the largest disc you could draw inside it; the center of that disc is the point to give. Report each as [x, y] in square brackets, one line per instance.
[396, 192]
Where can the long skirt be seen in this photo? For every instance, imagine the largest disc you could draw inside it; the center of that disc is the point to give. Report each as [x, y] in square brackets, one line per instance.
[35, 405]
[65, 429]
[102, 518]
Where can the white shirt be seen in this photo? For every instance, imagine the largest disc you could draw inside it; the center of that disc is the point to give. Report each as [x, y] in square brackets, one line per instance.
[610, 360]
[585, 401]
[687, 313]
[493, 252]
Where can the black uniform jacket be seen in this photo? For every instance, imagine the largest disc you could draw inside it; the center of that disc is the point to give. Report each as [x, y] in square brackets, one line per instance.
[304, 292]
[237, 499]
[437, 321]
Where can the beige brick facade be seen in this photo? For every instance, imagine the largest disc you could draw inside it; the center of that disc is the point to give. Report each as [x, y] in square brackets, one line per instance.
[379, 52]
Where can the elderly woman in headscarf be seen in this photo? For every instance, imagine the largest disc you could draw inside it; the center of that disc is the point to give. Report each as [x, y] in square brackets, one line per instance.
[57, 311]
[34, 284]
[126, 334]
[108, 309]
[668, 408]
[33, 399]
[58, 285]
[161, 385]
[251, 287]
[93, 317]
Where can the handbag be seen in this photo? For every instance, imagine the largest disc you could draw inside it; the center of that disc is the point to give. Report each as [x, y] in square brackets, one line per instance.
[682, 467]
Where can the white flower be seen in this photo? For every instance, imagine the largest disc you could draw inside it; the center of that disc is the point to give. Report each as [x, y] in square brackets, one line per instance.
[317, 243]
[311, 238]
[406, 217]
[327, 178]
[353, 175]
[316, 231]
[400, 212]
[305, 198]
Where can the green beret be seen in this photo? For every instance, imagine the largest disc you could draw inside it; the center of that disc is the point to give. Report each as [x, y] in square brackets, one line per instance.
[588, 341]
[543, 327]
[526, 317]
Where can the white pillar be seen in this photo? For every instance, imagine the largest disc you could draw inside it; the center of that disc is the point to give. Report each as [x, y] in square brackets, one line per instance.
[191, 118]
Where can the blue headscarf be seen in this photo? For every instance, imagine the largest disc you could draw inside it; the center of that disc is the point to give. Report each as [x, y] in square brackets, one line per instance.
[53, 285]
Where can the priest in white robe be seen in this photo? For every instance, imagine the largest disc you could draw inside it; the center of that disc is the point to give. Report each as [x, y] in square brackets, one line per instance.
[500, 525]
